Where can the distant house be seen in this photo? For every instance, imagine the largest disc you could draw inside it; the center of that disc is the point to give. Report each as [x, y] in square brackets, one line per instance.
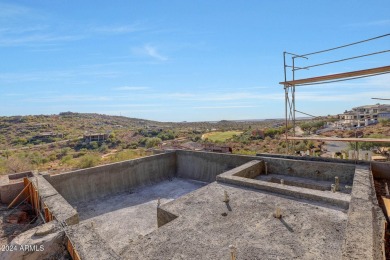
[258, 133]
[47, 136]
[365, 114]
[95, 137]
[217, 148]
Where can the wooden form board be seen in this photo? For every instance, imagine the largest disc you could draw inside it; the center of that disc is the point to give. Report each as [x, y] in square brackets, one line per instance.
[336, 139]
[48, 215]
[32, 193]
[386, 202]
[344, 75]
[72, 251]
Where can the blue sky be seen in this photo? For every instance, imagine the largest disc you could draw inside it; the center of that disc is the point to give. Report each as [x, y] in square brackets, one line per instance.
[184, 60]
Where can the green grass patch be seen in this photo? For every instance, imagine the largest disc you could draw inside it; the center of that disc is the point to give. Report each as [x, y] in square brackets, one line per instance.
[220, 136]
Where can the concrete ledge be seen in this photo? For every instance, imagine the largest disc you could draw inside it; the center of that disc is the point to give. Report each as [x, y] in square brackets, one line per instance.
[249, 170]
[88, 243]
[312, 158]
[61, 209]
[364, 221]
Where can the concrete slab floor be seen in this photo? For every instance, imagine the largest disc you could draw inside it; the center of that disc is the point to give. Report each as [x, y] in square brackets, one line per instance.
[125, 217]
[206, 226]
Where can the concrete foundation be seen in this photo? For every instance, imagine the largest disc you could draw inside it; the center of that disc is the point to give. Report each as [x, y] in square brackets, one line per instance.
[173, 206]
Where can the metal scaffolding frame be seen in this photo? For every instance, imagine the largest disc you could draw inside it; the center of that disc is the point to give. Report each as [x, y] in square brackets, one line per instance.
[290, 84]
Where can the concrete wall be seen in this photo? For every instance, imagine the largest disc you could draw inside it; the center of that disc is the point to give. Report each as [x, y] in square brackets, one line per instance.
[365, 227]
[381, 170]
[249, 170]
[320, 171]
[205, 166]
[113, 178]
[9, 190]
[119, 177]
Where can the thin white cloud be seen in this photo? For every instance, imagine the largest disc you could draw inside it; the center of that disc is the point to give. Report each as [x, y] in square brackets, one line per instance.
[120, 29]
[56, 75]
[218, 96]
[150, 51]
[15, 30]
[222, 107]
[35, 39]
[178, 95]
[67, 98]
[131, 105]
[130, 88]
[12, 10]
[23, 26]
[14, 94]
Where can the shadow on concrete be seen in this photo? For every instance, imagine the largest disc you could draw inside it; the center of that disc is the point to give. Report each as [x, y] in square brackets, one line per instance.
[289, 228]
[228, 206]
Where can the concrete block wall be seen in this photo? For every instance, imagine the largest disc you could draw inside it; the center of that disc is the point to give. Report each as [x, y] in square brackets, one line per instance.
[97, 182]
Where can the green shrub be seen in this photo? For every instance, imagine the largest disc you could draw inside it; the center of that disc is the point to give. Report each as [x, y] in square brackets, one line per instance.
[66, 158]
[151, 142]
[89, 160]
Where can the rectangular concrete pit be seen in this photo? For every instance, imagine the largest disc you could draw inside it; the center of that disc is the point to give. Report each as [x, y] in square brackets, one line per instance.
[237, 176]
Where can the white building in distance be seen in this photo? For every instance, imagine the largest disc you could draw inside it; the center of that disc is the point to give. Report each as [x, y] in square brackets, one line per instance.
[366, 115]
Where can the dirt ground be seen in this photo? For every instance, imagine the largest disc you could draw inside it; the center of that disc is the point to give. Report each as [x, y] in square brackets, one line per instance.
[9, 230]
